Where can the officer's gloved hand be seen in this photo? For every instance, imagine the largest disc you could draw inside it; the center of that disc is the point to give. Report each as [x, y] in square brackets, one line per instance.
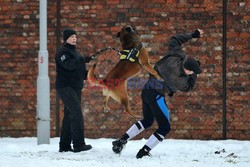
[88, 59]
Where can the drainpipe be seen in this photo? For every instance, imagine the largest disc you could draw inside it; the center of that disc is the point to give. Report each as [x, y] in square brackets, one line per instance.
[43, 83]
[58, 34]
[224, 73]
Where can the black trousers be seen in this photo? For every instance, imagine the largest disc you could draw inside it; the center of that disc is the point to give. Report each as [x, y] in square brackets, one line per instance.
[155, 107]
[73, 124]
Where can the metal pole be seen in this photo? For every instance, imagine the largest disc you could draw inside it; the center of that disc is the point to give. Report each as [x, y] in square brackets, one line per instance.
[58, 34]
[224, 73]
[43, 83]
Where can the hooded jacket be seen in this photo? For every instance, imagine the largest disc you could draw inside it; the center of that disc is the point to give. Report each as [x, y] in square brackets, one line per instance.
[170, 67]
[70, 68]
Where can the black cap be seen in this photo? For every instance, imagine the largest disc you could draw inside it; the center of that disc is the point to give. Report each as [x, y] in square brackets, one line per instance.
[192, 65]
[67, 33]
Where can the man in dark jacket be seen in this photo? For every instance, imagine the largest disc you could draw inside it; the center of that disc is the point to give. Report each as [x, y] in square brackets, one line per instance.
[178, 73]
[71, 72]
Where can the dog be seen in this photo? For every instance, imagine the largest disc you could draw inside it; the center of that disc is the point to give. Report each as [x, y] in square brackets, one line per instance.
[127, 67]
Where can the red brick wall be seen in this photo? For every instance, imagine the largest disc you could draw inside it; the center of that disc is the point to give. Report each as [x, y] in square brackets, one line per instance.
[194, 115]
[18, 67]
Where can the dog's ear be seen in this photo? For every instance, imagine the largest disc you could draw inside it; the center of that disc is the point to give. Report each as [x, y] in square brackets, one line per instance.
[118, 35]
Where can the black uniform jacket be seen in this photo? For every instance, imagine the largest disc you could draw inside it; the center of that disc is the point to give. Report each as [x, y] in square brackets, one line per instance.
[70, 67]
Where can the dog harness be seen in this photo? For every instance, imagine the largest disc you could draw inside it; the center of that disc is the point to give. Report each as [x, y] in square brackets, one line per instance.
[131, 55]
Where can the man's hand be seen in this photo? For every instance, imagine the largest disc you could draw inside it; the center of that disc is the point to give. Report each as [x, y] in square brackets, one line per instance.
[198, 33]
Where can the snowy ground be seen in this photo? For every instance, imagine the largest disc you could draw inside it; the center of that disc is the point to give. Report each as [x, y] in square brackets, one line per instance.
[24, 152]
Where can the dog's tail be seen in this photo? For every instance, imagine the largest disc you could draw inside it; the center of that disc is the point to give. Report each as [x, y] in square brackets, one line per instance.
[91, 78]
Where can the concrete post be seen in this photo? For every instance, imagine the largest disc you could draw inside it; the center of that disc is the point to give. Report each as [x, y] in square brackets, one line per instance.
[43, 83]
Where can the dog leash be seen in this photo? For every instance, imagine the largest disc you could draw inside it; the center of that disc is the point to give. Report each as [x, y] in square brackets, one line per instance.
[93, 56]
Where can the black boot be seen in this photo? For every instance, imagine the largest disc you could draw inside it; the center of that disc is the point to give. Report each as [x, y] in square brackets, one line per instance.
[143, 152]
[118, 145]
[65, 149]
[84, 147]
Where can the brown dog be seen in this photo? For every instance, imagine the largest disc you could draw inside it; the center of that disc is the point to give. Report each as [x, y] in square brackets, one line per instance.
[124, 69]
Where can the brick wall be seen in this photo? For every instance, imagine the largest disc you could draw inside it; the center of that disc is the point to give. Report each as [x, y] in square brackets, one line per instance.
[194, 115]
[19, 50]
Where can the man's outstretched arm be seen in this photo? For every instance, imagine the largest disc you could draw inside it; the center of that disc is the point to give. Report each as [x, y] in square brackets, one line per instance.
[177, 40]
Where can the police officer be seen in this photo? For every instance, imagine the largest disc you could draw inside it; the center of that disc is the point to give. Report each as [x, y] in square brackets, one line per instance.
[70, 74]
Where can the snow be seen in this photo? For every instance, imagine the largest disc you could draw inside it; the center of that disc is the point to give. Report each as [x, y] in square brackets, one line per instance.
[24, 152]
